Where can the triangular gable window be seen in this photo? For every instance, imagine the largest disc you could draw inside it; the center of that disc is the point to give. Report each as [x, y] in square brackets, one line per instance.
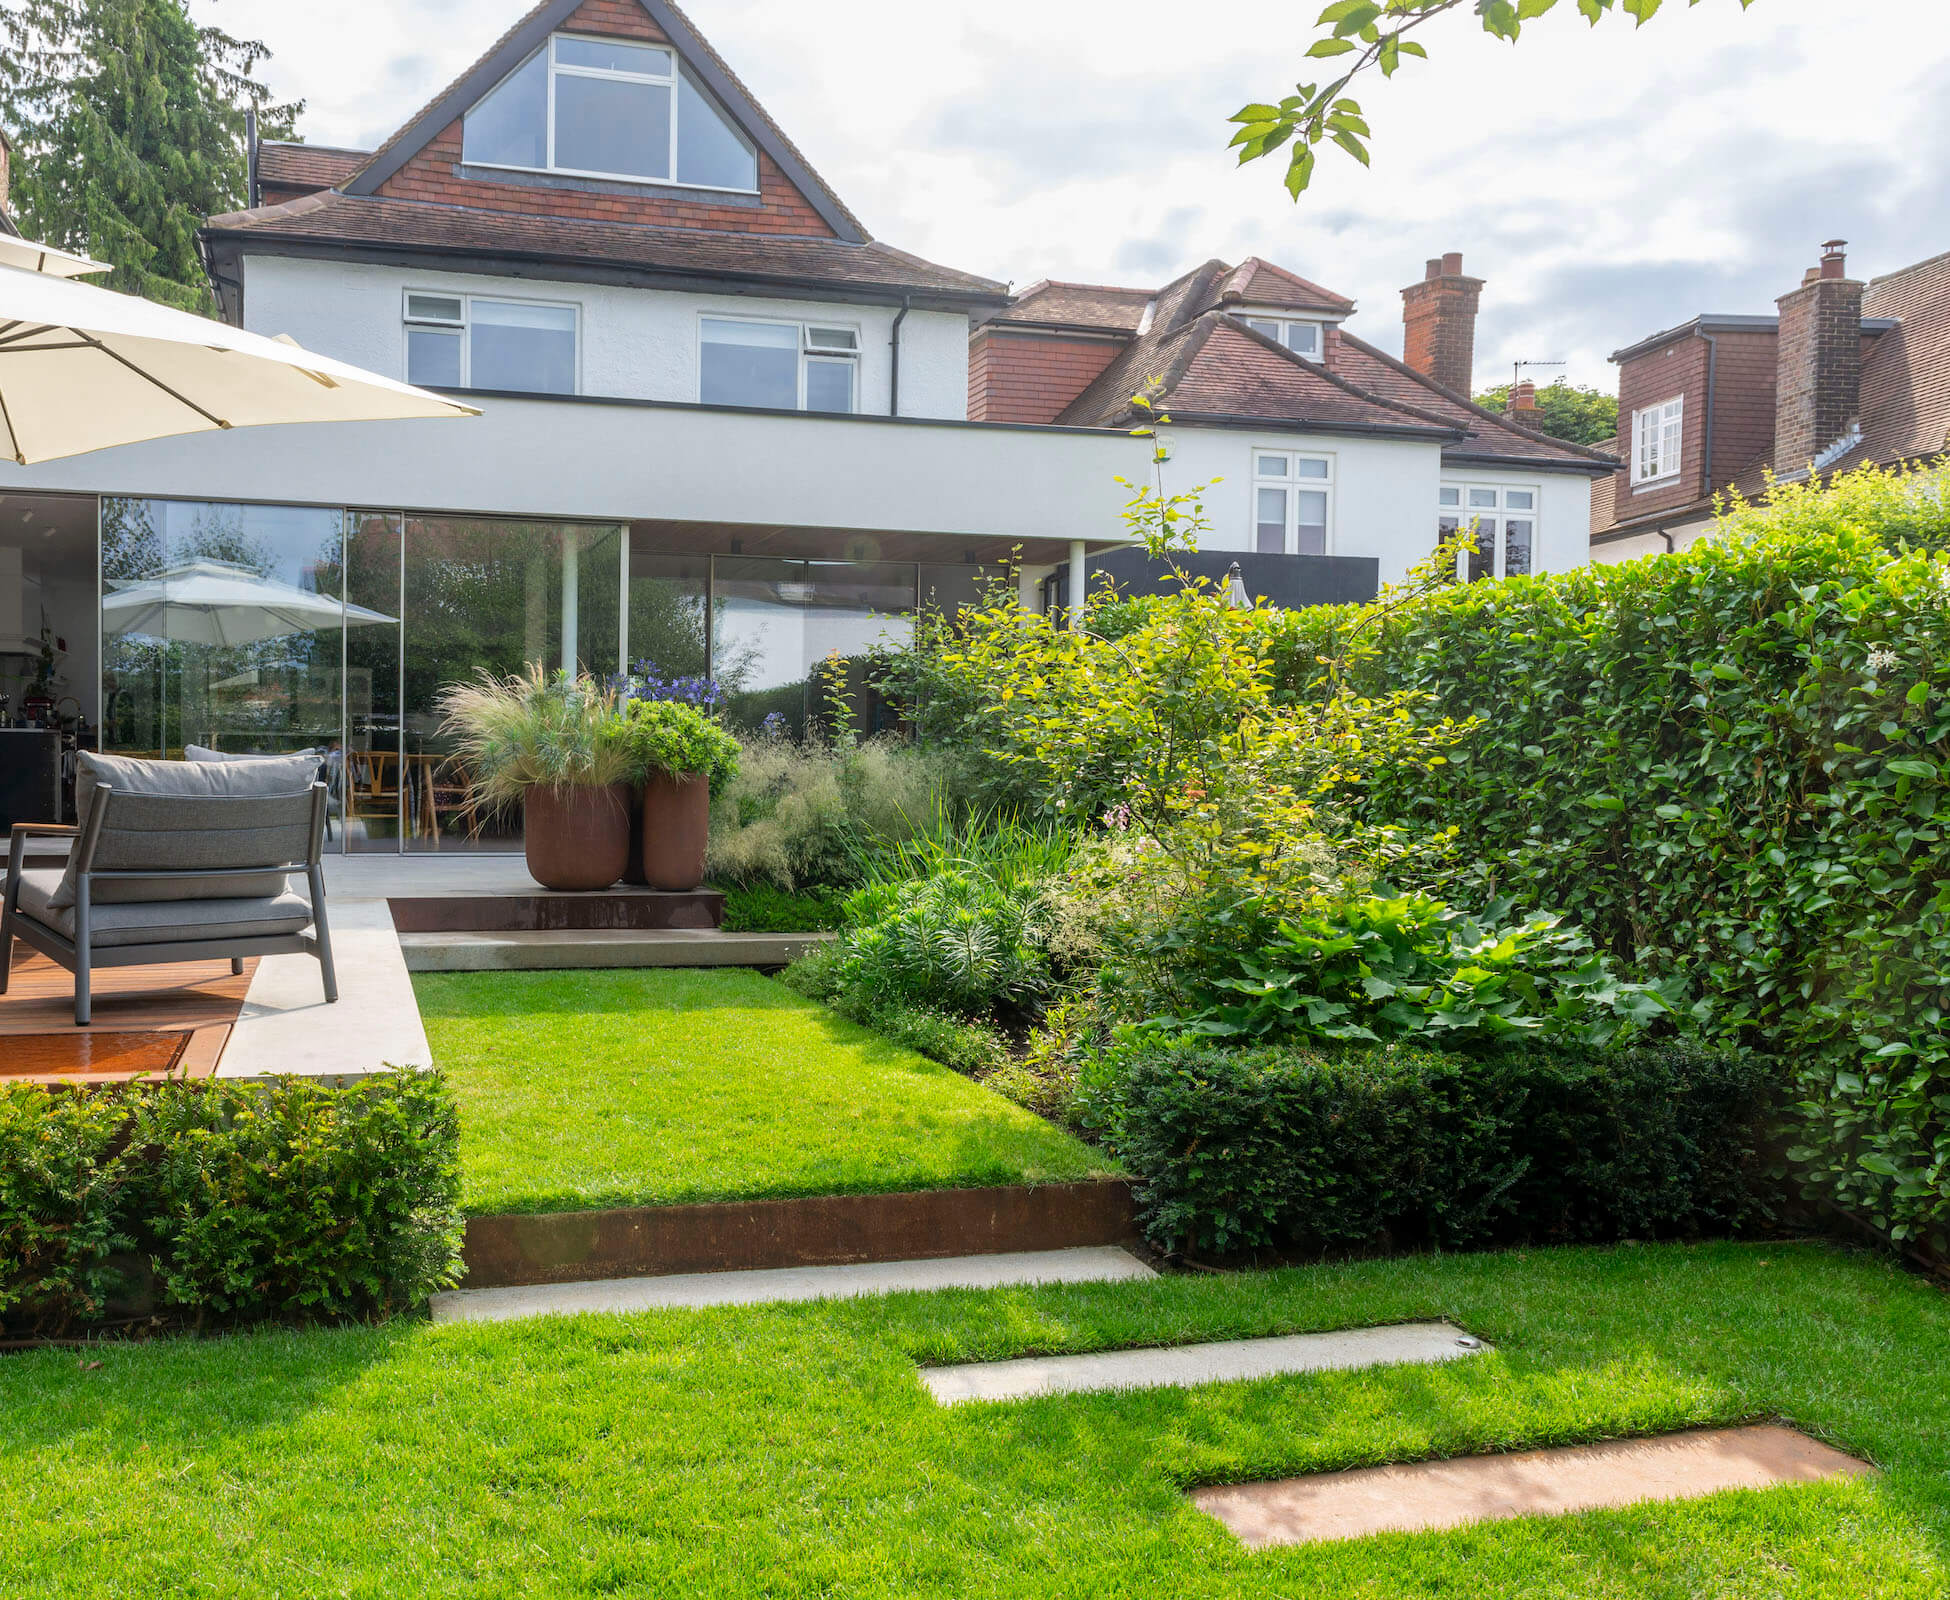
[608, 108]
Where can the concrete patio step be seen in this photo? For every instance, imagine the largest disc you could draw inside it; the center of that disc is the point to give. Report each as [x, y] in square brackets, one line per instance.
[694, 1290]
[601, 947]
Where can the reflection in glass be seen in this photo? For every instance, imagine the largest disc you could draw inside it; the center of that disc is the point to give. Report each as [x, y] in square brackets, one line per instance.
[669, 632]
[222, 626]
[778, 622]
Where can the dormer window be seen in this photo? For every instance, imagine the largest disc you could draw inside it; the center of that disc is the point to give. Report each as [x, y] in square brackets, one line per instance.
[1298, 334]
[608, 108]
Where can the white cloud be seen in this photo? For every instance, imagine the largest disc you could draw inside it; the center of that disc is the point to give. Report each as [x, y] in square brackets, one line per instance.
[1605, 185]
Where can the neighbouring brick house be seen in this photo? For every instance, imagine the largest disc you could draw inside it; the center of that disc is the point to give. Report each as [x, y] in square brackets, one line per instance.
[1320, 448]
[1845, 373]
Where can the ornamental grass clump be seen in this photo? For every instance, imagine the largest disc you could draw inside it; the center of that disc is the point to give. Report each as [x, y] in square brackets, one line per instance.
[534, 729]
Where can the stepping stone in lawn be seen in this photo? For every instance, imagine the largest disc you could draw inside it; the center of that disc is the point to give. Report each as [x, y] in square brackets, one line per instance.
[692, 1290]
[1446, 1494]
[1180, 1365]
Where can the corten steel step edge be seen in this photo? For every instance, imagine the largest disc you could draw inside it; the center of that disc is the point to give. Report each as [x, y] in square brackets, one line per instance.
[551, 913]
[819, 1230]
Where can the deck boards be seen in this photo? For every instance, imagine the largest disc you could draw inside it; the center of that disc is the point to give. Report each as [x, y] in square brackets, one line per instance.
[171, 1017]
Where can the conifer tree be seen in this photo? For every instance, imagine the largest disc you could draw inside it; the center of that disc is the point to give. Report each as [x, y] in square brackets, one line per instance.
[127, 118]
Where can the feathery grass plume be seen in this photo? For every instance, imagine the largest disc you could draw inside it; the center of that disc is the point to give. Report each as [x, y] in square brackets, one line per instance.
[533, 729]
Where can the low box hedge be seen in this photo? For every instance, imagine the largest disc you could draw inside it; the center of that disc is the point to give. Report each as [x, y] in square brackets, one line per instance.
[1310, 1150]
[218, 1203]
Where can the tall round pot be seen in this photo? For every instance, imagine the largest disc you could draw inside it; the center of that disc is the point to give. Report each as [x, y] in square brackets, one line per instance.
[676, 827]
[576, 837]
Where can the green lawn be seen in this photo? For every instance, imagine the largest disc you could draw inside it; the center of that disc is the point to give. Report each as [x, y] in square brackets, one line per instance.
[583, 1089]
[790, 1451]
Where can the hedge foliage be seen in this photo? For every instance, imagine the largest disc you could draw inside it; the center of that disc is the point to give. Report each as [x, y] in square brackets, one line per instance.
[1329, 1149]
[226, 1202]
[1728, 766]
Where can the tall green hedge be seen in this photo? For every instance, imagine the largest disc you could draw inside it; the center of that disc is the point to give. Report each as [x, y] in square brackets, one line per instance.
[1727, 764]
[219, 1202]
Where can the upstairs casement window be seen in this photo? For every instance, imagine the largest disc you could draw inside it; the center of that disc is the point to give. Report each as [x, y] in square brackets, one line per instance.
[463, 341]
[1505, 520]
[785, 366]
[1656, 435]
[1292, 502]
[607, 108]
[1298, 335]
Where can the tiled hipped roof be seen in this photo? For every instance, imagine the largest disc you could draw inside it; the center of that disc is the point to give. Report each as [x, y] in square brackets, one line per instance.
[306, 166]
[363, 220]
[1197, 361]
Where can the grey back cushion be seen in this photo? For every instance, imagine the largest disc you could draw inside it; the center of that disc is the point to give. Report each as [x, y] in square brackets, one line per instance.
[180, 815]
[201, 752]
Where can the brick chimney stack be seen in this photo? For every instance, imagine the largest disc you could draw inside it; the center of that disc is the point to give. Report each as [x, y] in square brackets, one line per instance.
[1439, 323]
[1818, 380]
[1523, 401]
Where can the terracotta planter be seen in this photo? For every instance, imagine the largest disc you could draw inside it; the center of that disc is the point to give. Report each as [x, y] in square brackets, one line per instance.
[576, 838]
[676, 827]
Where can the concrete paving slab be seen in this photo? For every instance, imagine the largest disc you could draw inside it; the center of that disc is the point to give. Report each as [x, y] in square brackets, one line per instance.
[693, 1290]
[1445, 1494]
[286, 1026]
[1227, 1361]
[579, 948]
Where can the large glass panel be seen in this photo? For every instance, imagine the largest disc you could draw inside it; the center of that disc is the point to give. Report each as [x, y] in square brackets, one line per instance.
[222, 626]
[499, 595]
[749, 364]
[612, 125]
[709, 150]
[525, 347]
[433, 357]
[669, 633]
[1518, 534]
[612, 55]
[1310, 522]
[1271, 524]
[508, 127]
[366, 773]
[788, 633]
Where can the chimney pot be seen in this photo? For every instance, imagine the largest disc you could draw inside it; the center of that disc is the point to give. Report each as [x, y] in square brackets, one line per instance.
[1434, 268]
[1452, 264]
[1523, 396]
[1834, 260]
[1810, 276]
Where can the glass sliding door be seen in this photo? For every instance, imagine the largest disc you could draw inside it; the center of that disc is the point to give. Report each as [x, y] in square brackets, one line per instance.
[369, 766]
[222, 626]
[500, 597]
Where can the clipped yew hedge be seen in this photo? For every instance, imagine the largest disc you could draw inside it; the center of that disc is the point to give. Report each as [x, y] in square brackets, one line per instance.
[1727, 764]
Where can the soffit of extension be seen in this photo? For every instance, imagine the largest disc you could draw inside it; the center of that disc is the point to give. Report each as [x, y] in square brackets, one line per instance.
[533, 31]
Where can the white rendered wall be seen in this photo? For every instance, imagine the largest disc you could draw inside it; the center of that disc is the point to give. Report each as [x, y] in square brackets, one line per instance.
[613, 462]
[637, 344]
[1563, 512]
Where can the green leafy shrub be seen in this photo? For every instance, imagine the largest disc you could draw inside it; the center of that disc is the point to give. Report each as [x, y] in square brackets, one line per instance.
[957, 942]
[670, 739]
[766, 908]
[1375, 967]
[234, 1201]
[1730, 766]
[1305, 1149]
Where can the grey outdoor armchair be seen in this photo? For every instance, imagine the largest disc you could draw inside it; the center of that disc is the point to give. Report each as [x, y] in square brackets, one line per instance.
[174, 876]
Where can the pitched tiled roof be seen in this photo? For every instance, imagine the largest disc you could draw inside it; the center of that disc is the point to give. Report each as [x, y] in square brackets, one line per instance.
[306, 166]
[1078, 305]
[394, 146]
[373, 222]
[1259, 283]
[1906, 375]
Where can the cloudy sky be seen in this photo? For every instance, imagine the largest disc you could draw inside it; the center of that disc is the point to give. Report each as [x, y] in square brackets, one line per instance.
[1605, 184]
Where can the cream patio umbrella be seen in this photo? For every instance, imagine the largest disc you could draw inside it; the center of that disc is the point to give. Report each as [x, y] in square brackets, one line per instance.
[25, 253]
[83, 368]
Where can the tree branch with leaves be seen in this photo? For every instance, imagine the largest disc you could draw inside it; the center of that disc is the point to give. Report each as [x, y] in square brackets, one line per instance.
[1368, 36]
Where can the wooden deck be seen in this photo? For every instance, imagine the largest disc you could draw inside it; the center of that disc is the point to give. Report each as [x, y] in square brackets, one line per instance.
[169, 1020]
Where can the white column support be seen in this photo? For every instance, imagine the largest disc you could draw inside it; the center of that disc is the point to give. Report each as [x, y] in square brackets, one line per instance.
[571, 575]
[1079, 582]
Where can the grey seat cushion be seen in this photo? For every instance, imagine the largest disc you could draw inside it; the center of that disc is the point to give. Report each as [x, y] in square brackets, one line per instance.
[261, 778]
[163, 921]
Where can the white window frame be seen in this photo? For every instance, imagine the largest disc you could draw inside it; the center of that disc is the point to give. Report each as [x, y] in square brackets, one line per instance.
[1283, 322]
[809, 353]
[1291, 481]
[1658, 442]
[465, 328]
[1497, 516]
[676, 71]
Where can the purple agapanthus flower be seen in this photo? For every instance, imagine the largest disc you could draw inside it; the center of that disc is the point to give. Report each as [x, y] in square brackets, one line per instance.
[645, 682]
